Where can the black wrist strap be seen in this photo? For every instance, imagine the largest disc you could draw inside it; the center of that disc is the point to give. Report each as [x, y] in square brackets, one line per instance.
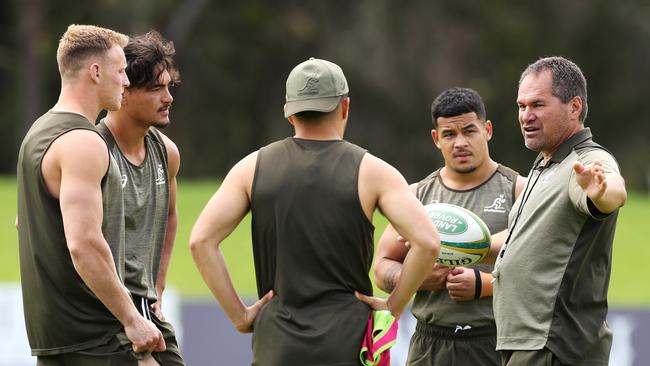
[479, 284]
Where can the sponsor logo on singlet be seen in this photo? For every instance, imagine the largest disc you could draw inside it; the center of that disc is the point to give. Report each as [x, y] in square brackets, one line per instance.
[124, 180]
[160, 178]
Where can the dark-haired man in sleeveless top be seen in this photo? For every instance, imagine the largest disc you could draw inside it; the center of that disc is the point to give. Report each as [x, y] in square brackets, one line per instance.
[453, 307]
[149, 162]
[312, 197]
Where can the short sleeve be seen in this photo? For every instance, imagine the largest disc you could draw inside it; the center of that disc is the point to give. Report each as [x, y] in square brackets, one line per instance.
[577, 195]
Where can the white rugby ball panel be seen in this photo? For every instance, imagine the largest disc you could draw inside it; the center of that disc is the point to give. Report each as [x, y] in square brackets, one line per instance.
[464, 237]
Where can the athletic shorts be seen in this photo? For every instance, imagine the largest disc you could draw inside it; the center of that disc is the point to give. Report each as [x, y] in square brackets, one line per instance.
[119, 350]
[441, 346]
[112, 353]
[540, 357]
[172, 355]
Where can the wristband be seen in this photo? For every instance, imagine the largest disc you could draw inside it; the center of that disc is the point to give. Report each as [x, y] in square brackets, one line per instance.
[479, 284]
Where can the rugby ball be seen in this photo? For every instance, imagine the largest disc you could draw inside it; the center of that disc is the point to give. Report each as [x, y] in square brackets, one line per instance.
[464, 237]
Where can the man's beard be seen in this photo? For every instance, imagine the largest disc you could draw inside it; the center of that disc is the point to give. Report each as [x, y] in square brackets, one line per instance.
[161, 125]
[465, 170]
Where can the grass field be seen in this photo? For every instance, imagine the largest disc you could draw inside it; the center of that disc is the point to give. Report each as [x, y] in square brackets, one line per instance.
[627, 288]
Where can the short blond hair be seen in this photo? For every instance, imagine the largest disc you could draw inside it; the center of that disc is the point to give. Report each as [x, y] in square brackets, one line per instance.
[82, 41]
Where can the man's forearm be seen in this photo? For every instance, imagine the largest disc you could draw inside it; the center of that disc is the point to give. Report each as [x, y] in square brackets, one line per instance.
[614, 196]
[214, 271]
[390, 276]
[95, 265]
[165, 256]
[486, 284]
[495, 246]
[417, 265]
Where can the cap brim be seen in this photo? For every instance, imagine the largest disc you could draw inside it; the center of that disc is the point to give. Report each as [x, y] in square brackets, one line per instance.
[316, 105]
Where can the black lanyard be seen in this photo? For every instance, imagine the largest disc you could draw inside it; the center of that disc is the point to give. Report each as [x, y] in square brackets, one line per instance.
[524, 198]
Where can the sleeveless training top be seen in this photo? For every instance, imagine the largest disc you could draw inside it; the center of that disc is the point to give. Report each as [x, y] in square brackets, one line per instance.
[61, 313]
[146, 205]
[313, 246]
[491, 201]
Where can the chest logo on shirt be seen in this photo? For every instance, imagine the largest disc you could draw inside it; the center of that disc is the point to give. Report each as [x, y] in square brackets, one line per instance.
[160, 179]
[547, 175]
[124, 180]
[497, 205]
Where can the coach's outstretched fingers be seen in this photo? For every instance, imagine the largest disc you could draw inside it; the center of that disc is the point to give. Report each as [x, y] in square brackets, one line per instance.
[591, 179]
[606, 191]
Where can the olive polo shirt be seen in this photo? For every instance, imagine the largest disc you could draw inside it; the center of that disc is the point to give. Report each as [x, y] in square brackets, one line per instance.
[552, 276]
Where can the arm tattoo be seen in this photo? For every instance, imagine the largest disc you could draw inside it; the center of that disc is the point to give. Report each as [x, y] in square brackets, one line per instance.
[390, 278]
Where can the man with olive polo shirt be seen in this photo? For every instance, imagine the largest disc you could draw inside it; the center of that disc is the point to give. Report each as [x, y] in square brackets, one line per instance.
[552, 274]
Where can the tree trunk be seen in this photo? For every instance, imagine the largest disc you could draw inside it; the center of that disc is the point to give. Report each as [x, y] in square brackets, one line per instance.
[30, 81]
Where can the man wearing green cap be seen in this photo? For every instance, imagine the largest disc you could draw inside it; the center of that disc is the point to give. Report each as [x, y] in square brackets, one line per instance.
[312, 197]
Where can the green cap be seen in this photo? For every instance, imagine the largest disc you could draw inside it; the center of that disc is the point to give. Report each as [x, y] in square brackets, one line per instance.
[314, 85]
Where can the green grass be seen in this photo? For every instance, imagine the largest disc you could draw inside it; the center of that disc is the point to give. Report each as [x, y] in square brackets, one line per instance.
[9, 270]
[629, 285]
[627, 288]
[237, 248]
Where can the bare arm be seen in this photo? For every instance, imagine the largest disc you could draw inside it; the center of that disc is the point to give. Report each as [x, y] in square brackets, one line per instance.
[73, 169]
[388, 260]
[520, 184]
[219, 218]
[390, 256]
[381, 184]
[173, 165]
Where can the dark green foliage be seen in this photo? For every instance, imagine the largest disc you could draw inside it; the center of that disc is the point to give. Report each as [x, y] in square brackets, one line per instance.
[234, 58]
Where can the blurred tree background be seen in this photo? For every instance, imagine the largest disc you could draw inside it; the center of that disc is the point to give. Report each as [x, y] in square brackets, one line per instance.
[234, 57]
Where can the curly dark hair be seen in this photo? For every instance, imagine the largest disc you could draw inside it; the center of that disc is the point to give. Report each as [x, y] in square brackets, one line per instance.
[456, 101]
[147, 56]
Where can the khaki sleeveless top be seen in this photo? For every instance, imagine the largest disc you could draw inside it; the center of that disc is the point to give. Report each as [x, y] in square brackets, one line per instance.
[146, 206]
[313, 246]
[61, 313]
[491, 201]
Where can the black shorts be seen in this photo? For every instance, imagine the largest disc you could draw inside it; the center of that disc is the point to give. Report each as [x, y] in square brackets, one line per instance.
[440, 346]
[119, 351]
[172, 355]
[540, 357]
[112, 353]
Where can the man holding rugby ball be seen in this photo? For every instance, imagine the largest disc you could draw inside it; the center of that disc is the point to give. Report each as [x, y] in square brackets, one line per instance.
[453, 307]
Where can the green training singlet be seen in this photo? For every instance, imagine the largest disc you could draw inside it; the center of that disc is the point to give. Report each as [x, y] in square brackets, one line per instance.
[61, 313]
[146, 206]
[313, 245]
[491, 201]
